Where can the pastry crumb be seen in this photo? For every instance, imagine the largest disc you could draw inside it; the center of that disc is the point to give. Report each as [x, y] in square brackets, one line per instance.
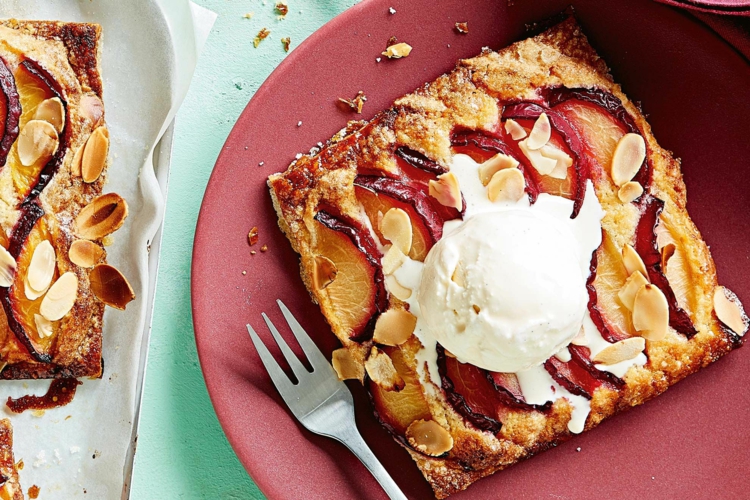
[462, 28]
[395, 49]
[391, 10]
[244, 273]
[252, 236]
[282, 8]
[357, 102]
[299, 123]
[262, 35]
[264, 248]
[248, 15]
[260, 164]
[285, 42]
[253, 252]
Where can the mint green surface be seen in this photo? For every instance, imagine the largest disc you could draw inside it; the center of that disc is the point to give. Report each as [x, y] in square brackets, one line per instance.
[182, 452]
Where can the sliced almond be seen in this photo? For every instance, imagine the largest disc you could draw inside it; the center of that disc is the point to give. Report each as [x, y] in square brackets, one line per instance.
[445, 190]
[498, 162]
[506, 185]
[85, 253]
[394, 327]
[563, 161]
[396, 289]
[541, 163]
[628, 158]
[92, 109]
[60, 297]
[380, 369]
[429, 437]
[392, 259]
[95, 155]
[347, 368]
[41, 268]
[728, 311]
[398, 50]
[103, 216]
[7, 268]
[324, 272]
[396, 228]
[620, 351]
[110, 286]
[459, 275]
[630, 289]
[43, 326]
[630, 191]
[633, 261]
[516, 131]
[37, 142]
[651, 313]
[667, 251]
[75, 164]
[51, 111]
[540, 133]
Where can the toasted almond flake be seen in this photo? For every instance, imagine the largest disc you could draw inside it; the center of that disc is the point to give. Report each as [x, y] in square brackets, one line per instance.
[60, 297]
[92, 109]
[394, 327]
[562, 161]
[620, 351]
[541, 163]
[667, 251]
[43, 326]
[37, 142]
[396, 228]
[516, 131]
[651, 313]
[110, 286]
[393, 259]
[262, 35]
[446, 190]
[506, 185]
[380, 369]
[397, 51]
[75, 164]
[347, 368]
[628, 158]
[633, 261]
[580, 338]
[51, 111]
[498, 162]
[429, 437]
[728, 311]
[630, 289]
[42, 267]
[540, 133]
[396, 289]
[324, 272]
[630, 191]
[30, 293]
[95, 155]
[459, 275]
[7, 268]
[85, 253]
[103, 216]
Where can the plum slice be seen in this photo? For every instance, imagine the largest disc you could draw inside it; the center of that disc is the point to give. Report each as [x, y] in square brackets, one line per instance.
[606, 279]
[358, 293]
[420, 161]
[376, 205]
[482, 147]
[412, 195]
[28, 232]
[35, 85]
[10, 111]
[647, 248]
[579, 375]
[396, 410]
[580, 167]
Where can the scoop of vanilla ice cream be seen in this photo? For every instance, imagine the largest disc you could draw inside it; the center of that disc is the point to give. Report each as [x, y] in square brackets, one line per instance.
[505, 290]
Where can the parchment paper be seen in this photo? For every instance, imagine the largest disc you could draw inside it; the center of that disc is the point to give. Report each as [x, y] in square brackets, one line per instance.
[149, 52]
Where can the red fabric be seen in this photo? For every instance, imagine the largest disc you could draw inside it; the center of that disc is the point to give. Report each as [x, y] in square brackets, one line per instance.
[721, 7]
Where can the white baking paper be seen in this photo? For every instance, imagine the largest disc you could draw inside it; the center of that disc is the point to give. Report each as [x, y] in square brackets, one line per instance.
[149, 52]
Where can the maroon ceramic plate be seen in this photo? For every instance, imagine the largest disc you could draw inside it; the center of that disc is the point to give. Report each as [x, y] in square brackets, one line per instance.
[690, 442]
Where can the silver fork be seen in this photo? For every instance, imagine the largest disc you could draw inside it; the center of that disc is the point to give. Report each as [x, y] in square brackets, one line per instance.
[319, 400]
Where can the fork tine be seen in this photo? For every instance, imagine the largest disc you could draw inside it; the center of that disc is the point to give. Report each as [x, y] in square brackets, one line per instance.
[297, 367]
[316, 358]
[279, 378]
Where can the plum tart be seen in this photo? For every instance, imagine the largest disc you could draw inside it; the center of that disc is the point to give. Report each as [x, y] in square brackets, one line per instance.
[54, 219]
[506, 256]
[10, 489]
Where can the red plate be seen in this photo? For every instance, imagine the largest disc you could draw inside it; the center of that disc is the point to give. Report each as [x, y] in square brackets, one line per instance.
[693, 86]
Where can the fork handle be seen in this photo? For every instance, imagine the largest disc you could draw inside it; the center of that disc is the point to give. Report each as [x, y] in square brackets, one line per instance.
[353, 440]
